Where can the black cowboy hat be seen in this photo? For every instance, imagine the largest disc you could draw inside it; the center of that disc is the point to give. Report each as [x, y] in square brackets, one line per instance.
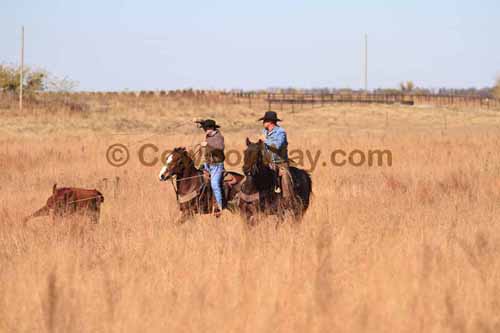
[208, 123]
[270, 116]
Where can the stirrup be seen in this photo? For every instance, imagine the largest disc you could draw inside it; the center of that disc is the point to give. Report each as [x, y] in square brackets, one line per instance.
[277, 189]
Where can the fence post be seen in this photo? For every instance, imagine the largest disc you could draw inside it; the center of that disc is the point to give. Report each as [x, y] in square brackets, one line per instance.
[21, 71]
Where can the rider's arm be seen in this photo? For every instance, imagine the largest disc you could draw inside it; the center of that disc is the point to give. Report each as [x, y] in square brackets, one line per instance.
[276, 140]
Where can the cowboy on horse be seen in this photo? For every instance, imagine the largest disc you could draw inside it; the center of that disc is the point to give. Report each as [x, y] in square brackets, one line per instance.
[276, 145]
[194, 192]
[271, 185]
[214, 159]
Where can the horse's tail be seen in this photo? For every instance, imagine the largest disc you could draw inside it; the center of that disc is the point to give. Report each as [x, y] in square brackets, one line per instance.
[309, 190]
[303, 185]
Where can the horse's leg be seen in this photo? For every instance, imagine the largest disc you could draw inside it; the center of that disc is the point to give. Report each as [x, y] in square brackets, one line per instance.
[278, 206]
[251, 211]
[246, 212]
[95, 210]
[186, 215]
[298, 209]
[181, 219]
[57, 216]
[59, 211]
[95, 214]
[252, 221]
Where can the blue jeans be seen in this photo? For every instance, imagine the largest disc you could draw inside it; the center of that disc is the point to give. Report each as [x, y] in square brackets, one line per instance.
[216, 173]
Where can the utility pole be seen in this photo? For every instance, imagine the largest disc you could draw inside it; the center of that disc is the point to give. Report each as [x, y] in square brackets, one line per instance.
[366, 62]
[21, 74]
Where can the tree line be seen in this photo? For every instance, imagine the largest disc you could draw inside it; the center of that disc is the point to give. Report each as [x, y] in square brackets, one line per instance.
[38, 80]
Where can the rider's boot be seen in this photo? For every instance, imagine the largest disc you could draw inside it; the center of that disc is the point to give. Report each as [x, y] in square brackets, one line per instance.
[218, 210]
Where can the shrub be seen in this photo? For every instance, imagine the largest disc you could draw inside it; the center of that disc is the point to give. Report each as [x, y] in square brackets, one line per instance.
[33, 81]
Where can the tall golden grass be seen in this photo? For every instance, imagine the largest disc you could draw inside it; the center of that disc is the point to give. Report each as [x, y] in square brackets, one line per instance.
[412, 247]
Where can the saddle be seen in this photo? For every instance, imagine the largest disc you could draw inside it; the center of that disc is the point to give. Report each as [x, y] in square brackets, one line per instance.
[228, 178]
[230, 185]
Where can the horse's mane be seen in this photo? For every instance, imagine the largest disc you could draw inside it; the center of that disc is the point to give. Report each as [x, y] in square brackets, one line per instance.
[262, 152]
[185, 155]
[179, 149]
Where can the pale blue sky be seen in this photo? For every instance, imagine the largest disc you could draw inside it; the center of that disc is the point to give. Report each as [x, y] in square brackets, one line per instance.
[117, 45]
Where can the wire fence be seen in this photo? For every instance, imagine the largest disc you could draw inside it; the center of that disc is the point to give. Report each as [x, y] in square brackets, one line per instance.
[262, 99]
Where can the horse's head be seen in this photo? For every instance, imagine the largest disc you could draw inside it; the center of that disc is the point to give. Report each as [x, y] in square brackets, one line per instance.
[175, 164]
[253, 157]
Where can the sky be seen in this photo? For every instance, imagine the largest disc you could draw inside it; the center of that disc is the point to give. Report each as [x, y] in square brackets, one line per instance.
[221, 44]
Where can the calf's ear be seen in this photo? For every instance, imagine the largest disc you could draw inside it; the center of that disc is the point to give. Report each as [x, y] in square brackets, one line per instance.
[248, 141]
[54, 188]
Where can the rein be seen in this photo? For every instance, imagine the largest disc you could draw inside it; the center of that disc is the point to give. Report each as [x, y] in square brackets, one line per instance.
[257, 167]
[249, 197]
[189, 196]
[80, 200]
[196, 151]
[183, 198]
[186, 178]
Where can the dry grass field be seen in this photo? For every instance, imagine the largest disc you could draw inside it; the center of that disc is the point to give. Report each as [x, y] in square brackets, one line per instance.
[413, 247]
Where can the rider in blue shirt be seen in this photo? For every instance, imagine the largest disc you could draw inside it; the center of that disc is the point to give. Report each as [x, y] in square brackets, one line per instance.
[276, 144]
[276, 137]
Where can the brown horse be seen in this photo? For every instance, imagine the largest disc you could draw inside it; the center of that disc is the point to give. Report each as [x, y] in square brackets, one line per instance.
[192, 188]
[258, 194]
[67, 201]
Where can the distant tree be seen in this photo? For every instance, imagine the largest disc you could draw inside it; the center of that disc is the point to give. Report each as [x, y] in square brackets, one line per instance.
[410, 85]
[33, 81]
[407, 87]
[57, 84]
[387, 91]
[496, 89]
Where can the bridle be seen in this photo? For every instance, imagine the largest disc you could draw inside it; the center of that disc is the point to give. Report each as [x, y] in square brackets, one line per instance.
[192, 194]
[254, 168]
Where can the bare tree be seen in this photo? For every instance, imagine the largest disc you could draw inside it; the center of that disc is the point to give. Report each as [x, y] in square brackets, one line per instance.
[496, 89]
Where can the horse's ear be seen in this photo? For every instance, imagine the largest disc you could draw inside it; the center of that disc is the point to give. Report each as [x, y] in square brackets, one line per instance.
[248, 141]
[54, 188]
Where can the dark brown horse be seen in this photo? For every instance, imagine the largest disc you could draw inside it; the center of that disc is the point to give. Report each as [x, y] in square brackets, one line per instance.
[192, 187]
[68, 201]
[258, 194]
